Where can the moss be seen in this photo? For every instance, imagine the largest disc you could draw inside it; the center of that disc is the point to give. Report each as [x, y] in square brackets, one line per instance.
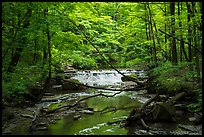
[132, 76]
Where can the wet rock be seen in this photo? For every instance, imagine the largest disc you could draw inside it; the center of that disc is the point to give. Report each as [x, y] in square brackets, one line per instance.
[87, 112]
[71, 70]
[57, 87]
[91, 109]
[48, 94]
[77, 117]
[72, 84]
[6, 132]
[179, 106]
[163, 112]
[192, 119]
[130, 77]
[196, 119]
[179, 113]
[53, 122]
[42, 128]
[42, 124]
[128, 85]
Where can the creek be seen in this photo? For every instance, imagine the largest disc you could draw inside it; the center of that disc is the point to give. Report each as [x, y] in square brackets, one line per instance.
[99, 110]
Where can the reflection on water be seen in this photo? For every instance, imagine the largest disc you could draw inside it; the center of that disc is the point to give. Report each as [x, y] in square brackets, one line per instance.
[96, 124]
[105, 109]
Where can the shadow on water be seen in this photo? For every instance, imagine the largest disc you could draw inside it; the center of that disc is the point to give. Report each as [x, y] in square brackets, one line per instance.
[105, 110]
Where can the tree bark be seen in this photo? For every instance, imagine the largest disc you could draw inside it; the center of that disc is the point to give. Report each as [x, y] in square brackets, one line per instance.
[182, 49]
[152, 34]
[195, 41]
[147, 34]
[189, 31]
[173, 41]
[49, 48]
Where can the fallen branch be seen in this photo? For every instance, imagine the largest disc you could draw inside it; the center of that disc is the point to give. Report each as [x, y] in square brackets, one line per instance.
[149, 101]
[181, 41]
[76, 103]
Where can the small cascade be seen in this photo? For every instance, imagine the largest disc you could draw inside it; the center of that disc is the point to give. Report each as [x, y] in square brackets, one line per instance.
[103, 77]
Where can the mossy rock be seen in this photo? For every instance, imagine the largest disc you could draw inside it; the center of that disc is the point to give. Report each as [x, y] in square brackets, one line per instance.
[130, 78]
[71, 84]
[163, 111]
[54, 106]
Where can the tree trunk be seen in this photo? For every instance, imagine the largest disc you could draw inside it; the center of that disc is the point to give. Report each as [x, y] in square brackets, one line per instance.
[152, 34]
[165, 36]
[35, 50]
[147, 34]
[18, 51]
[164, 54]
[189, 31]
[182, 49]
[49, 49]
[173, 41]
[195, 41]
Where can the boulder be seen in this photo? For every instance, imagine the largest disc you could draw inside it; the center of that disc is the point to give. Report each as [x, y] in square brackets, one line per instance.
[71, 84]
[163, 111]
[130, 77]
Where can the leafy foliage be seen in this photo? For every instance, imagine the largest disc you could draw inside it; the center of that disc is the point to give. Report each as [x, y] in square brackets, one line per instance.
[126, 34]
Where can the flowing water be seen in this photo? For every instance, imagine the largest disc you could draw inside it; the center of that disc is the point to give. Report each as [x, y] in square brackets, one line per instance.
[101, 109]
[105, 109]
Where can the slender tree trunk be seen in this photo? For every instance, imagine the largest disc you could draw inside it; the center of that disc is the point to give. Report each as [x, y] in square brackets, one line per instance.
[146, 27]
[173, 42]
[167, 25]
[182, 49]
[195, 41]
[44, 42]
[165, 36]
[152, 34]
[189, 31]
[12, 33]
[35, 51]
[49, 48]
[164, 54]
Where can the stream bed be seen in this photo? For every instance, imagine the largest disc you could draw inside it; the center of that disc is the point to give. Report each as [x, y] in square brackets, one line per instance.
[91, 117]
